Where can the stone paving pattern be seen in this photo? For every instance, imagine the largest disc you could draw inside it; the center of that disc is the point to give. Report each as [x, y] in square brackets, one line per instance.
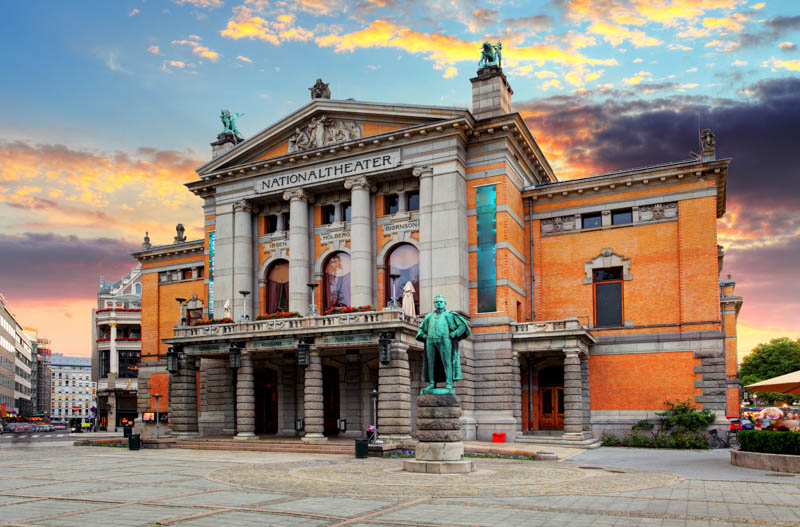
[111, 486]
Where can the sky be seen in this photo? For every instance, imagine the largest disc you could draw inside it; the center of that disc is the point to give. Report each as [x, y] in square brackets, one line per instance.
[106, 109]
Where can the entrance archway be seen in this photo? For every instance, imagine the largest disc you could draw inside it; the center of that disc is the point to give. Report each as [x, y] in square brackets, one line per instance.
[265, 382]
[551, 398]
[330, 398]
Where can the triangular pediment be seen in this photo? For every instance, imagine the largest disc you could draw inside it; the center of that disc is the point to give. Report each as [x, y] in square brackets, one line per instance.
[324, 123]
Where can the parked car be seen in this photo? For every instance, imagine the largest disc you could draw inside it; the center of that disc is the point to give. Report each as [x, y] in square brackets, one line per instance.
[59, 427]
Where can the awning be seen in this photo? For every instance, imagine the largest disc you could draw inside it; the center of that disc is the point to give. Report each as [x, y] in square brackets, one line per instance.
[789, 383]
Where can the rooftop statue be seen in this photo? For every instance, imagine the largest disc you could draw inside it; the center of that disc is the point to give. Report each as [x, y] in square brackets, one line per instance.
[320, 90]
[491, 55]
[441, 332]
[229, 124]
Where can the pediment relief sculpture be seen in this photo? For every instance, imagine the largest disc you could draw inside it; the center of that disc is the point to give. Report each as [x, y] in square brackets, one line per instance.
[322, 131]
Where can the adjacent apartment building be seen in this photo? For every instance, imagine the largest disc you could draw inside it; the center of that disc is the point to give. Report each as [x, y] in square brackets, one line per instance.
[73, 391]
[8, 352]
[116, 349]
[591, 301]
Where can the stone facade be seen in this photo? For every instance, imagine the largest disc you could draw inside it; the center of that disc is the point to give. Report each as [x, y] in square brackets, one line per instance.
[460, 203]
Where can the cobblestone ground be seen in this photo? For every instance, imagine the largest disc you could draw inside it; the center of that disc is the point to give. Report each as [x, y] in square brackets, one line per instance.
[79, 486]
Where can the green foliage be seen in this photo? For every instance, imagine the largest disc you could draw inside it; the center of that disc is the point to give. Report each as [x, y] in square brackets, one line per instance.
[683, 416]
[779, 357]
[770, 442]
[611, 440]
[676, 440]
[643, 425]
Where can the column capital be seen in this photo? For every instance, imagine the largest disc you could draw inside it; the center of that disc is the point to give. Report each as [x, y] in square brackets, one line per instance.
[422, 171]
[244, 205]
[298, 195]
[359, 183]
[572, 352]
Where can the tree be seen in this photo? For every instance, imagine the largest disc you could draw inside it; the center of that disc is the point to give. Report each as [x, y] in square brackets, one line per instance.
[779, 357]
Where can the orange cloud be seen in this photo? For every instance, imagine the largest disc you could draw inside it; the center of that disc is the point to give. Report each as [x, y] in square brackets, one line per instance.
[725, 24]
[776, 64]
[248, 23]
[198, 49]
[640, 12]
[616, 35]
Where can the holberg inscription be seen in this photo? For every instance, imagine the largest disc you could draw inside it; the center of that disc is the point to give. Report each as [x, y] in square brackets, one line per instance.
[329, 172]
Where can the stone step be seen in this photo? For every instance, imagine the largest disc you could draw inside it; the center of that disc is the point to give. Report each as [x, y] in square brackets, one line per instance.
[557, 441]
[262, 447]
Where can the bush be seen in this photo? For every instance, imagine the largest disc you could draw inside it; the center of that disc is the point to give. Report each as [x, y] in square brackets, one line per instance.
[770, 442]
[683, 416]
[611, 440]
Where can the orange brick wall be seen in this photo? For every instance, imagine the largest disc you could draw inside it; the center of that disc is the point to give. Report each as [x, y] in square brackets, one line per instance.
[641, 381]
[150, 313]
[159, 383]
[699, 287]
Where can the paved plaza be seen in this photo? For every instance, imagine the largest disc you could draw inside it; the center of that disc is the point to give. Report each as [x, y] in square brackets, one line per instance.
[56, 485]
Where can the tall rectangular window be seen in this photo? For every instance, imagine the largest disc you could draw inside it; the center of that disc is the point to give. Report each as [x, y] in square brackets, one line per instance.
[487, 248]
[607, 297]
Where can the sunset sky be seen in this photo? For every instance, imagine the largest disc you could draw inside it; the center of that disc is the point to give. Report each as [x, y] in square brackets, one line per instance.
[106, 109]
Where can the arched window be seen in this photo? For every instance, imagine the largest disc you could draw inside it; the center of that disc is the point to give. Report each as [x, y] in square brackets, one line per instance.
[138, 289]
[278, 287]
[403, 260]
[336, 281]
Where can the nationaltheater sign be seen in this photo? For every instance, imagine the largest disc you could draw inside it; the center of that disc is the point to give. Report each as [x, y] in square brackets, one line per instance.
[330, 171]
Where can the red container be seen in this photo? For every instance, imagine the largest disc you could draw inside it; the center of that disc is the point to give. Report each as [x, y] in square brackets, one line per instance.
[498, 437]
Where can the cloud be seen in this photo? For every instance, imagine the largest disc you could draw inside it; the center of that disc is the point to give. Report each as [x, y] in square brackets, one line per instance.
[198, 49]
[155, 50]
[787, 46]
[616, 35]
[134, 12]
[201, 4]
[773, 30]
[638, 77]
[450, 72]
[480, 19]
[48, 187]
[641, 12]
[110, 58]
[243, 58]
[249, 23]
[177, 64]
[723, 25]
[529, 23]
[776, 64]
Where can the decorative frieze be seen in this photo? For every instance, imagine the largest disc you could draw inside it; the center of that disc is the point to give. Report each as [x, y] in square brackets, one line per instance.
[561, 224]
[658, 211]
[322, 131]
[640, 214]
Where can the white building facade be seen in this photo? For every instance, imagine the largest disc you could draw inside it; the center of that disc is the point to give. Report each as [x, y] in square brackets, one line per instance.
[73, 391]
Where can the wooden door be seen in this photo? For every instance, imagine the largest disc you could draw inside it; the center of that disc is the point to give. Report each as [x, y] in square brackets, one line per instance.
[330, 395]
[266, 399]
[551, 408]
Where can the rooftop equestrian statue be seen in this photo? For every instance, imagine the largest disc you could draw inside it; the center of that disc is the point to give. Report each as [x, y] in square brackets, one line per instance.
[441, 332]
[491, 55]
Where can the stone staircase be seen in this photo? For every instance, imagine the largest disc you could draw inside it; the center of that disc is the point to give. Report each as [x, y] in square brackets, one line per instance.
[288, 445]
[554, 438]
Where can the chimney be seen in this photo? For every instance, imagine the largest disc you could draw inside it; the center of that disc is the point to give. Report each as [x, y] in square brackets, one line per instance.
[491, 94]
[708, 145]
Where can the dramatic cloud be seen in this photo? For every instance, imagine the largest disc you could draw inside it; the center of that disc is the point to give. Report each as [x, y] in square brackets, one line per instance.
[251, 24]
[197, 48]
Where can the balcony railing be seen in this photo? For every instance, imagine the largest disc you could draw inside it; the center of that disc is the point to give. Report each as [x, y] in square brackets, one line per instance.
[547, 326]
[282, 325]
[103, 345]
[118, 315]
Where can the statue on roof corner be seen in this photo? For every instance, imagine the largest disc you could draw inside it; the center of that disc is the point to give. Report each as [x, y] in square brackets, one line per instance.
[491, 55]
[320, 90]
[229, 122]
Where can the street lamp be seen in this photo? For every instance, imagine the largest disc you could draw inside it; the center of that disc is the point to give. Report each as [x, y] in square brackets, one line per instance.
[156, 397]
[385, 347]
[181, 318]
[235, 362]
[172, 360]
[303, 352]
[375, 415]
[393, 303]
[312, 306]
[245, 317]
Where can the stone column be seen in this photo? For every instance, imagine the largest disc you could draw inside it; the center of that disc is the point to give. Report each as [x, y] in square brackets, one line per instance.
[361, 269]
[243, 258]
[425, 175]
[112, 411]
[245, 400]
[313, 402]
[280, 224]
[113, 357]
[298, 249]
[337, 212]
[402, 201]
[573, 401]
[183, 398]
[587, 412]
[394, 395]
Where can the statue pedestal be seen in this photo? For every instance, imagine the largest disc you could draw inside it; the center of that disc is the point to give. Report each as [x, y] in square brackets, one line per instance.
[440, 449]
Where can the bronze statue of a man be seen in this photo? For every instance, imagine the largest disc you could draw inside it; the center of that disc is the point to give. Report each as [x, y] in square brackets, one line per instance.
[441, 332]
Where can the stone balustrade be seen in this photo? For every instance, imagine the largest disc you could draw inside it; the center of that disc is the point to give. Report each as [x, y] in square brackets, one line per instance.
[109, 316]
[282, 325]
[547, 326]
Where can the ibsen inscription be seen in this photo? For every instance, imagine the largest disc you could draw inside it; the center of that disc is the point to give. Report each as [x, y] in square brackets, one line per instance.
[330, 171]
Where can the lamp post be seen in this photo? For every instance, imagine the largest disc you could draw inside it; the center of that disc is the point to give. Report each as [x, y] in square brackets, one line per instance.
[172, 360]
[393, 303]
[235, 362]
[312, 306]
[181, 319]
[375, 414]
[245, 317]
[156, 396]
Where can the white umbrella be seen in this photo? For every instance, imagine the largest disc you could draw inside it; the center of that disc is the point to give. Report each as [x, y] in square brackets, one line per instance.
[408, 300]
[789, 383]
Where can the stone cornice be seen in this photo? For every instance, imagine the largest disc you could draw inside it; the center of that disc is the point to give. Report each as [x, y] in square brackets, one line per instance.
[172, 250]
[658, 175]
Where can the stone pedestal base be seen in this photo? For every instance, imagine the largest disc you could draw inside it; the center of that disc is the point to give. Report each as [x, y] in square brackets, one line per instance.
[440, 449]
[438, 467]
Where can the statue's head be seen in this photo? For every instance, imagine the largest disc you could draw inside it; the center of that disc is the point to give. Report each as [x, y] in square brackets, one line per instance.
[487, 46]
[439, 303]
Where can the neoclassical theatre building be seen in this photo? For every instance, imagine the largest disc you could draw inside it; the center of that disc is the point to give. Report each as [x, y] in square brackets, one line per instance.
[592, 301]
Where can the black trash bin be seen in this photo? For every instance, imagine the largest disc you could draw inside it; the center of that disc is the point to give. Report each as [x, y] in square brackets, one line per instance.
[127, 431]
[135, 442]
[362, 448]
